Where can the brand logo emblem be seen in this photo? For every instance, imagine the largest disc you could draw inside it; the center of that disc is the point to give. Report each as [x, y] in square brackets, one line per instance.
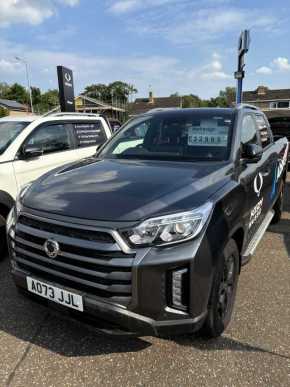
[51, 248]
[67, 77]
[258, 184]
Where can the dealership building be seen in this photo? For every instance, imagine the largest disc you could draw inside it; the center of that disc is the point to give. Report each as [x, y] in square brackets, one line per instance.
[273, 102]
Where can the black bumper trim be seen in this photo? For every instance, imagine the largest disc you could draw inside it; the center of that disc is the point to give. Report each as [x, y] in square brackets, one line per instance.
[115, 319]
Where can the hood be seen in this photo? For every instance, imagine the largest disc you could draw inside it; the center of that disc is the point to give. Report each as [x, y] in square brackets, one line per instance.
[123, 190]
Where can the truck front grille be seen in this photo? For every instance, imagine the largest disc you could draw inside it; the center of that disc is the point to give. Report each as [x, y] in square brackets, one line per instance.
[89, 260]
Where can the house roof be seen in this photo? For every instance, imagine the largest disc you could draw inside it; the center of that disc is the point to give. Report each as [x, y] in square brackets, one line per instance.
[262, 93]
[96, 103]
[12, 105]
[143, 105]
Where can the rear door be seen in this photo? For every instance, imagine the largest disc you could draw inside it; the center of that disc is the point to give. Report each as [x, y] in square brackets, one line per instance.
[88, 136]
[269, 161]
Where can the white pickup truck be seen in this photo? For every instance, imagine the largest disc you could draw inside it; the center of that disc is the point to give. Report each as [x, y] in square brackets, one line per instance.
[32, 145]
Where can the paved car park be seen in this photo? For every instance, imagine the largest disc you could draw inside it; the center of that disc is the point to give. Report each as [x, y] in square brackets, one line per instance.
[39, 349]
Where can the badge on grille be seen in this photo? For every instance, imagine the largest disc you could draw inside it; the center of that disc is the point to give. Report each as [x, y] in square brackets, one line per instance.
[51, 247]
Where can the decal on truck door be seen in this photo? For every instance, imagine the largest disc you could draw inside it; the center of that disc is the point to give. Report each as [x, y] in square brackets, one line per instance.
[258, 184]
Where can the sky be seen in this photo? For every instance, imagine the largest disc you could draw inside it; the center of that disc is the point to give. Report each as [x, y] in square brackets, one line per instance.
[183, 46]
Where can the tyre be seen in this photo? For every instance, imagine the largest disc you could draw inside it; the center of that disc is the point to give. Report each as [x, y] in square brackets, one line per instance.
[223, 292]
[278, 206]
[3, 243]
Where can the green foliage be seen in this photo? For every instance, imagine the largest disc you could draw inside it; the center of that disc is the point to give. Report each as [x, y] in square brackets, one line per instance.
[3, 112]
[47, 101]
[107, 93]
[17, 93]
[226, 98]
[36, 95]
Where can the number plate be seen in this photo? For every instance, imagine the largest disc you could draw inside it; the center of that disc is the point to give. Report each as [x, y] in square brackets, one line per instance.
[52, 293]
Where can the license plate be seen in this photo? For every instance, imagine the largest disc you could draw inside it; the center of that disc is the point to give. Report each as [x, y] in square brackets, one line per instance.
[52, 293]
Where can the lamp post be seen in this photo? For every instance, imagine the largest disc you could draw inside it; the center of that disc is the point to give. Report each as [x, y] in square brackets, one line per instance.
[27, 79]
[243, 48]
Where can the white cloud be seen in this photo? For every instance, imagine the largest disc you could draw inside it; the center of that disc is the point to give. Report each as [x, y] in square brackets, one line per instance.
[265, 70]
[126, 6]
[29, 11]
[282, 64]
[214, 70]
[211, 24]
[166, 74]
[187, 22]
[9, 66]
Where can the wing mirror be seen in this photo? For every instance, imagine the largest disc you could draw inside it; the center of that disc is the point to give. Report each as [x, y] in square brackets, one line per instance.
[31, 151]
[252, 153]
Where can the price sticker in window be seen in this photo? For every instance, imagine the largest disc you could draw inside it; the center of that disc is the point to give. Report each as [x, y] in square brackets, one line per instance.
[199, 136]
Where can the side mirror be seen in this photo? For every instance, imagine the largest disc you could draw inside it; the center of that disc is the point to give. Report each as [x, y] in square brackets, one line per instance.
[252, 153]
[31, 151]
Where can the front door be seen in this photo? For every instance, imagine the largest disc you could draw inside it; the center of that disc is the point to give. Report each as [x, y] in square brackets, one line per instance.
[56, 143]
[253, 179]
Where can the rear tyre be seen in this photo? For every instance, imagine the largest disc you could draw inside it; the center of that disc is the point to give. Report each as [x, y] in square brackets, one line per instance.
[3, 242]
[223, 292]
[278, 206]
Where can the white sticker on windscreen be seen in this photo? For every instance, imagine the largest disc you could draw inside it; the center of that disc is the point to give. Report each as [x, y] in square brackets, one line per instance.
[208, 136]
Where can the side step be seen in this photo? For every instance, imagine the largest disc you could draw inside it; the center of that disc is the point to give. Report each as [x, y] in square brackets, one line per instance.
[247, 255]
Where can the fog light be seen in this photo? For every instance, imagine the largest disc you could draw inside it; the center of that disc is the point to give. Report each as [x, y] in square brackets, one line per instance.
[180, 289]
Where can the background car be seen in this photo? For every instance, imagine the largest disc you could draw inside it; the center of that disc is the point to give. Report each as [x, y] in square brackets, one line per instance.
[31, 146]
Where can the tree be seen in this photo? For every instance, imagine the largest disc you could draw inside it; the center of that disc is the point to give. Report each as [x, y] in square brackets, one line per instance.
[4, 88]
[17, 92]
[116, 90]
[3, 112]
[48, 101]
[191, 101]
[36, 95]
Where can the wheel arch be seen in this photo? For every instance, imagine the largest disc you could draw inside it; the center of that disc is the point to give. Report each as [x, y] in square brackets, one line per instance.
[238, 236]
[6, 203]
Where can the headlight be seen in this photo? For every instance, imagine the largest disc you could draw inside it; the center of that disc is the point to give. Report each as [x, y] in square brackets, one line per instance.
[21, 196]
[170, 228]
[11, 219]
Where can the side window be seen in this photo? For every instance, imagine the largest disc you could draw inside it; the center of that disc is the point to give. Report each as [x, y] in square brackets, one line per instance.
[51, 138]
[264, 131]
[249, 131]
[132, 138]
[89, 133]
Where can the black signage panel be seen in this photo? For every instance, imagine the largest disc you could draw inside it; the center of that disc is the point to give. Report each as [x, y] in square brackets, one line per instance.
[89, 134]
[66, 89]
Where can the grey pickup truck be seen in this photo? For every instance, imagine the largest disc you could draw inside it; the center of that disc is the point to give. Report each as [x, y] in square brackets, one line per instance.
[148, 237]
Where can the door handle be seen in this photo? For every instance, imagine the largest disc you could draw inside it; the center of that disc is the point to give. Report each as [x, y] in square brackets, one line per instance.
[267, 172]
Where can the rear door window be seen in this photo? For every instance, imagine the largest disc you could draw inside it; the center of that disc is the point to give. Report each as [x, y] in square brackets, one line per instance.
[89, 133]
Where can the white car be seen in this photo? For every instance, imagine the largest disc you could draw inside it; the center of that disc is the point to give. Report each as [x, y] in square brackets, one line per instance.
[32, 145]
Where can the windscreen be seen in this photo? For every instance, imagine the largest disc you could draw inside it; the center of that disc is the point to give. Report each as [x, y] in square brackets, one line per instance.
[9, 130]
[196, 135]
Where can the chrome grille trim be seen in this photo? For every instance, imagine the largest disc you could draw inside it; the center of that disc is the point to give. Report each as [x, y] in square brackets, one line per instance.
[101, 266]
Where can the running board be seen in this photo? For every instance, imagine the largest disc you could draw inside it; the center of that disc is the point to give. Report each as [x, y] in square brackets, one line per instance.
[247, 255]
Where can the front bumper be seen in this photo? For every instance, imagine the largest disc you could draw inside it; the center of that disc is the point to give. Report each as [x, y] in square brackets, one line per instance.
[113, 319]
[149, 310]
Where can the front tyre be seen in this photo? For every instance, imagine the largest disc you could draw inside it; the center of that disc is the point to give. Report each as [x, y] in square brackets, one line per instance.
[3, 243]
[223, 292]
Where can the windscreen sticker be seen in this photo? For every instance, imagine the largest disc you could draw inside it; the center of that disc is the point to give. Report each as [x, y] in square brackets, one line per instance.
[208, 136]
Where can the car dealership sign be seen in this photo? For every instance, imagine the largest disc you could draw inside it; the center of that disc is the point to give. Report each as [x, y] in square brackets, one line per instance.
[66, 89]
